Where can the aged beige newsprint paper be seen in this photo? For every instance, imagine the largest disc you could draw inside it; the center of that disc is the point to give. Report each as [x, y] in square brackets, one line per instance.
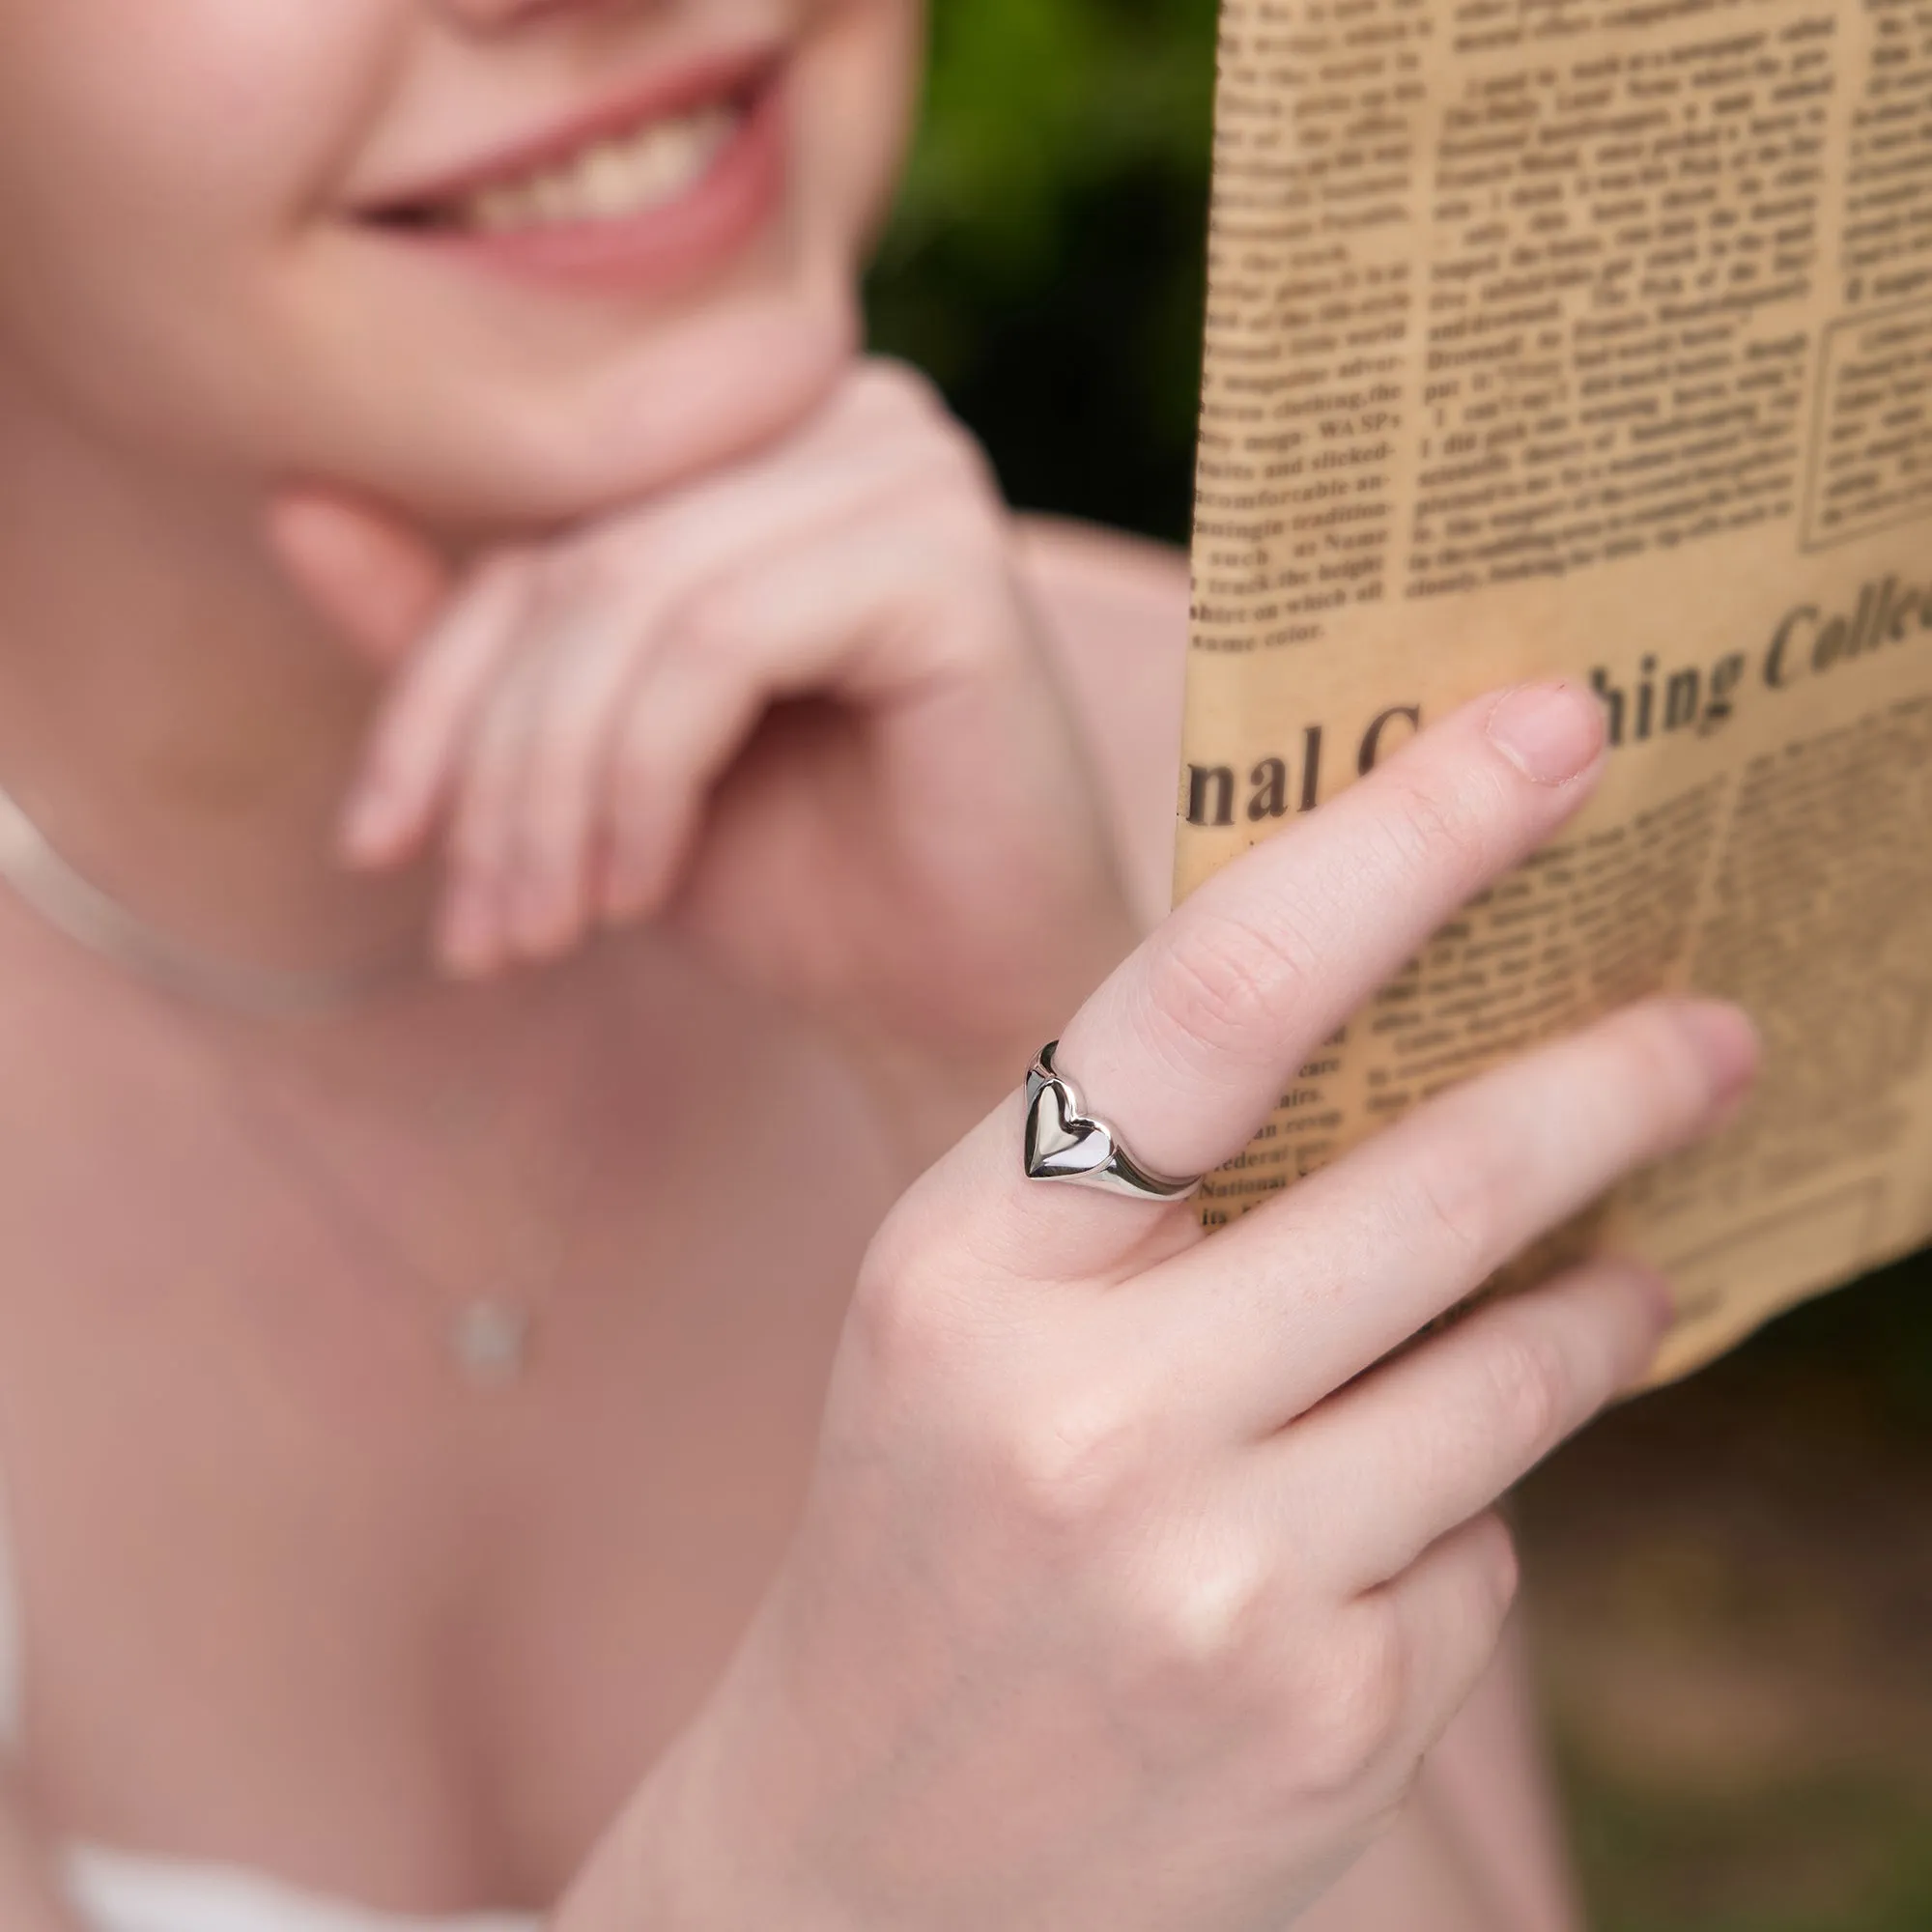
[1595, 336]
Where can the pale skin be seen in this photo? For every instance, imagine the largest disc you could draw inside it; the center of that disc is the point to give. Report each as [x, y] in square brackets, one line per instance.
[463, 650]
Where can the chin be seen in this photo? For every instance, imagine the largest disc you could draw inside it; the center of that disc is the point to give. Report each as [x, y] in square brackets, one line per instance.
[485, 445]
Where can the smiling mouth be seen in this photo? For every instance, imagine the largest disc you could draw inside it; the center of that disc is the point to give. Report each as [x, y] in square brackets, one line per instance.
[612, 178]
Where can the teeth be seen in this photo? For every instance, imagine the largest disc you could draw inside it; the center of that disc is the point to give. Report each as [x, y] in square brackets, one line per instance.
[609, 181]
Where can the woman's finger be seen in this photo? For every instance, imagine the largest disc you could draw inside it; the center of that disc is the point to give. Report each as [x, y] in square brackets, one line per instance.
[474, 936]
[576, 717]
[381, 581]
[657, 673]
[1450, 1607]
[1190, 1044]
[1297, 1297]
[1364, 1700]
[615, 606]
[677, 735]
[1187, 1045]
[1427, 1441]
[850, 621]
[391, 591]
[427, 716]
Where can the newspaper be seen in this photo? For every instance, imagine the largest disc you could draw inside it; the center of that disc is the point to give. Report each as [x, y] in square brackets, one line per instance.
[1595, 336]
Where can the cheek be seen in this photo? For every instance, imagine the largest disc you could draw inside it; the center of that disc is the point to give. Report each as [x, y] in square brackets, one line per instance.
[197, 90]
[154, 164]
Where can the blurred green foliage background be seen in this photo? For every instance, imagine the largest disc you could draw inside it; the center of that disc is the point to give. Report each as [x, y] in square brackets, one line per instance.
[1732, 1579]
[1044, 262]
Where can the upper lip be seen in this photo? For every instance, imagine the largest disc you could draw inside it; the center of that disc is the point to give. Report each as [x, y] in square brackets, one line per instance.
[722, 77]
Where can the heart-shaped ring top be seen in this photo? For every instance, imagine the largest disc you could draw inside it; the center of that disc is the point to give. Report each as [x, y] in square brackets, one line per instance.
[1061, 1143]
[1065, 1143]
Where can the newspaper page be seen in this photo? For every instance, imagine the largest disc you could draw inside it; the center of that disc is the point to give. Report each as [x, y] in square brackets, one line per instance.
[1595, 336]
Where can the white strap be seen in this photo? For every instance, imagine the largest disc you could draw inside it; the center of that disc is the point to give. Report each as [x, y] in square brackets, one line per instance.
[122, 1892]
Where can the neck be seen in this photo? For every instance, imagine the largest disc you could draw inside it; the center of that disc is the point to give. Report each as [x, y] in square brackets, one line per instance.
[181, 729]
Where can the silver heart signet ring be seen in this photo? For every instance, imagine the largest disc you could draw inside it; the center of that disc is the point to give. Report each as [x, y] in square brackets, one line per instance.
[1063, 1141]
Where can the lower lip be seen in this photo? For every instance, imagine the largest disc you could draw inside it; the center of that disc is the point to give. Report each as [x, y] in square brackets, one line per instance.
[675, 241]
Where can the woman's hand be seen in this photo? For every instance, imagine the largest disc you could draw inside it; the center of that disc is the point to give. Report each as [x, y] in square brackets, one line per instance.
[799, 706]
[1138, 1575]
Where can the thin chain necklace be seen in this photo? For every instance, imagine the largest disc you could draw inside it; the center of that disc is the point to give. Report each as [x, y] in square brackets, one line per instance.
[93, 918]
[488, 1336]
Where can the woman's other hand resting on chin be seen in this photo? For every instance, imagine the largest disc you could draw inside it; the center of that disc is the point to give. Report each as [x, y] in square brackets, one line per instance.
[801, 707]
[1137, 1575]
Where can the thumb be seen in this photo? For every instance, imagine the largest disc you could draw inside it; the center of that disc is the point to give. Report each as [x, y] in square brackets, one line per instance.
[374, 576]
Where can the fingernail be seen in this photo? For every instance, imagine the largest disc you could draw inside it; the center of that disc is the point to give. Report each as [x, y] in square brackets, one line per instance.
[547, 922]
[603, 890]
[530, 908]
[1660, 1304]
[623, 893]
[1658, 1296]
[1551, 733]
[368, 825]
[1727, 1043]
[466, 942]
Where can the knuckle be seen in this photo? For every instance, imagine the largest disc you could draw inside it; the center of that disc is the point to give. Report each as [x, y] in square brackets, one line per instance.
[1456, 1194]
[890, 384]
[721, 642]
[962, 468]
[1067, 1465]
[944, 452]
[1194, 1625]
[1434, 829]
[1224, 977]
[889, 1330]
[706, 631]
[951, 495]
[586, 571]
[1529, 1385]
[1349, 1711]
[901, 1326]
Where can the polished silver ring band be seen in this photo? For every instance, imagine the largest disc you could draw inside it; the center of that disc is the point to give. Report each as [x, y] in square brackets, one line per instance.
[1063, 1141]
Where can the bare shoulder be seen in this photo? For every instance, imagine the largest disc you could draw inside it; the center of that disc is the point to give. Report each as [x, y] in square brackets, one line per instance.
[1116, 614]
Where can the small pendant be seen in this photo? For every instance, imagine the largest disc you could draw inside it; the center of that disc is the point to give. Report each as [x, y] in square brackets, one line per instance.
[491, 1341]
